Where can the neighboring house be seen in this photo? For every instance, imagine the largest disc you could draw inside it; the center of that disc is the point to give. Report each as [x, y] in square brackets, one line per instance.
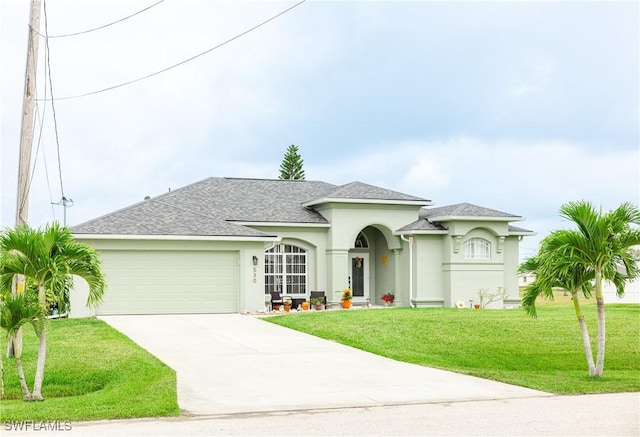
[631, 292]
[525, 279]
[222, 244]
[631, 289]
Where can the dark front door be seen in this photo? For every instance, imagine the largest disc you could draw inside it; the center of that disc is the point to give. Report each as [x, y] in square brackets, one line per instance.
[360, 277]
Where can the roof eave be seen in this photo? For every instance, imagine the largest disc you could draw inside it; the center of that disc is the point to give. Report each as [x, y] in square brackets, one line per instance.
[326, 200]
[450, 218]
[421, 232]
[524, 233]
[283, 224]
[267, 238]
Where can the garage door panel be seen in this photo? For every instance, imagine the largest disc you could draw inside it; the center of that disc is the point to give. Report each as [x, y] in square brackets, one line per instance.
[140, 282]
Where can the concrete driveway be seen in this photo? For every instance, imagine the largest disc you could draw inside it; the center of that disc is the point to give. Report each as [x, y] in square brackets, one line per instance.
[239, 364]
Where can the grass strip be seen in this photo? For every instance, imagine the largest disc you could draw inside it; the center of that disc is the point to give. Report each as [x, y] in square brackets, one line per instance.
[92, 372]
[503, 345]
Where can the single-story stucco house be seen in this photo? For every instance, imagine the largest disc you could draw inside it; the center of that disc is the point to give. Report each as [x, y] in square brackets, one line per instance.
[222, 245]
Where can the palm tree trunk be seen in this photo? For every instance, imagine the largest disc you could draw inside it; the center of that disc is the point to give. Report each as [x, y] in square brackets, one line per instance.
[23, 383]
[586, 340]
[17, 348]
[42, 352]
[10, 346]
[601, 324]
[17, 287]
[1, 377]
[42, 356]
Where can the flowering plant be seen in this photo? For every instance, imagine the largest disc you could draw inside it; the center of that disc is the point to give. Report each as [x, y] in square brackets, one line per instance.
[388, 296]
[346, 294]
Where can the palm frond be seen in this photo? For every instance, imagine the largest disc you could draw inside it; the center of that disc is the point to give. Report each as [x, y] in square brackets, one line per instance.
[21, 309]
[50, 257]
[531, 295]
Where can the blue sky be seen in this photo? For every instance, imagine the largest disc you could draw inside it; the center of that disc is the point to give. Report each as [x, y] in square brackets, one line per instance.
[516, 106]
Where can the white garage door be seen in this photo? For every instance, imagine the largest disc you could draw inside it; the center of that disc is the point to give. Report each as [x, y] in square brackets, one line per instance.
[163, 282]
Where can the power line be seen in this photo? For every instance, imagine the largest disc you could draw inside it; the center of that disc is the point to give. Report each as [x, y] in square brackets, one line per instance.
[103, 26]
[182, 62]
[44, 158]
[53, 107]
[35, 160]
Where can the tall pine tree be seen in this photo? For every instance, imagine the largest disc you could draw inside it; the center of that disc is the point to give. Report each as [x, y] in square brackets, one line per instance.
[291, 167]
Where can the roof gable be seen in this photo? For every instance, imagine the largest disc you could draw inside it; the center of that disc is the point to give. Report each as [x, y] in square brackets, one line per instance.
[422, 225]
[431, 220]
[463, 211]
[358, 192]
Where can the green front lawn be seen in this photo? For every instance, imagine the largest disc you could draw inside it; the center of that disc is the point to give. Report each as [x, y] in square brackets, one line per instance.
[92, 372]
[504, 345]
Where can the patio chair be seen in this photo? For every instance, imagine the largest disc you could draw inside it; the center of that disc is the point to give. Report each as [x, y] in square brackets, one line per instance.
[276, 300]
[318, 294]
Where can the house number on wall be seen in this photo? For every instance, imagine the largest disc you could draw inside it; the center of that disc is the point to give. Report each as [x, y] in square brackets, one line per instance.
[255, 275]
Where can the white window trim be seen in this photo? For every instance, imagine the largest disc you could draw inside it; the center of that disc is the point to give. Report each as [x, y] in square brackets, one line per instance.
[283, 251]
[476, 248]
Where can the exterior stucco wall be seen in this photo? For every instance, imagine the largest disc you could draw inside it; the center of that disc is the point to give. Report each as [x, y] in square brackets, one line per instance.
[511, 261]
[78, 300]
[383, 264]
[347, 220]
[314, 241]
[468, 278]
[429, 280]
[464, 227]
[463, 278]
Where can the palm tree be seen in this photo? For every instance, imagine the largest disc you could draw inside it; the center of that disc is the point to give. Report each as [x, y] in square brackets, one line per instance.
[579, 260]
[49, 257]
[15, 311]
[574, 278]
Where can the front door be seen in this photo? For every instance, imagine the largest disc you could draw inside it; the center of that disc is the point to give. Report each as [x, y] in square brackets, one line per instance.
[360, 277]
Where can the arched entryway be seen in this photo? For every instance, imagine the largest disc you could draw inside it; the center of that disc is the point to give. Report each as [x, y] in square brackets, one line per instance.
[371, 266]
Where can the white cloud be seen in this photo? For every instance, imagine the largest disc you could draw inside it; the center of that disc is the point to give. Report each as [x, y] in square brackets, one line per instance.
[531, 78]
[409, 96]
[527, 178]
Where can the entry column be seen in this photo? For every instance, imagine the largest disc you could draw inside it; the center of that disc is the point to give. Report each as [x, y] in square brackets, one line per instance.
[337, 272]
[397, 266]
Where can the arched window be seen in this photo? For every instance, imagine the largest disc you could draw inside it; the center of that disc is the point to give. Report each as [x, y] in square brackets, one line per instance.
[477, 248]
[285, 270]
[361, 241]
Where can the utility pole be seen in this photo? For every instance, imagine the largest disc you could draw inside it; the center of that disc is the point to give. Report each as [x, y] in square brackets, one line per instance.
[28, 111]
[26, 140]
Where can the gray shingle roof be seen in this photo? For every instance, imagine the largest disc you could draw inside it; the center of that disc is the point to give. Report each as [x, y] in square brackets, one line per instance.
[359, 190]
[517, 230]
[429, 218]
[422, 225]
[465, 210]
[153, 217]
[251, 200]
[209, 207]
